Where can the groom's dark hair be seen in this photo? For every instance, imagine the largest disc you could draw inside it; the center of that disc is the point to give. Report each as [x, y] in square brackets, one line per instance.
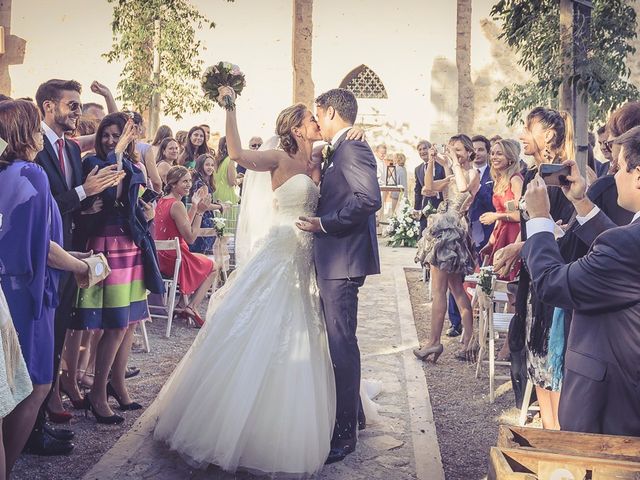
[343, 101]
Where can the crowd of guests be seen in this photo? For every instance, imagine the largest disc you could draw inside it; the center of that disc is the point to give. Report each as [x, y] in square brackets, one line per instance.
[575, 331]
[78, 181]
[75, 179]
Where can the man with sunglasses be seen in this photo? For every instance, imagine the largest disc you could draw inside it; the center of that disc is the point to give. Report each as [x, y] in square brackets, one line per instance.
[60, 106]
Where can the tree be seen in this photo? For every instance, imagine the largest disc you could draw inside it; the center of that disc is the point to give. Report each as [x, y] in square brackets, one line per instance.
[169, 27]
[532, 28]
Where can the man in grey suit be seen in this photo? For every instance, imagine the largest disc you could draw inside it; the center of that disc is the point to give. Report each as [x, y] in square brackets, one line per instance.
[601, 387]
[345, 251]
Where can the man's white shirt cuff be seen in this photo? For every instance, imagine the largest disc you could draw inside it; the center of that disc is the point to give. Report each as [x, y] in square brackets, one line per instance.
[321, 227]
[539, 225]
[582, 220]
[81, 193]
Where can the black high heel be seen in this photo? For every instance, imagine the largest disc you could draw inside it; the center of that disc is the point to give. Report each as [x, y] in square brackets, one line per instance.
[122, 406]
[110, 420]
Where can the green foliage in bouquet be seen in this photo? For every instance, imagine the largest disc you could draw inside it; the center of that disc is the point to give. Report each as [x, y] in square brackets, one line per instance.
[403, 229]
[485, 279]
[223, 74]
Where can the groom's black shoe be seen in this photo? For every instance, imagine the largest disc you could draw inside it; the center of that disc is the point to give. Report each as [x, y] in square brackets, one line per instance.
[337, 454]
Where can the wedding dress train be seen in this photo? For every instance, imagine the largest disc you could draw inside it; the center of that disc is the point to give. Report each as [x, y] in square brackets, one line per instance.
[256, 390]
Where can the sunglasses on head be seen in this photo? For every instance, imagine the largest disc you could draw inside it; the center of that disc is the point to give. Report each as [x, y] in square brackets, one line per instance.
[255, 145]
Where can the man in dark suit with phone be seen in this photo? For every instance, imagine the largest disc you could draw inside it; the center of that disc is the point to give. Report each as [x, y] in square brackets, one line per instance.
[601, 386]
[421, 201]
[60, 106]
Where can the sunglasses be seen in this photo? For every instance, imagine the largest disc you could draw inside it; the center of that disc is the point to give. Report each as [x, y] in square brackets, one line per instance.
[255, 145]
[73, 106]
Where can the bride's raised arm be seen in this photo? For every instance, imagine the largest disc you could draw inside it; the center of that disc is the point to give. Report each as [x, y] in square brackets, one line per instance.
[260, 161]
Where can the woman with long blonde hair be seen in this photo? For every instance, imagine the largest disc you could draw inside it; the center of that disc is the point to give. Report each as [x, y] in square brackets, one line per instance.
[507, 190]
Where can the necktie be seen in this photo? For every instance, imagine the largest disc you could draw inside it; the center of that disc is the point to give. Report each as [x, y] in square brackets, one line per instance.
[60, 145]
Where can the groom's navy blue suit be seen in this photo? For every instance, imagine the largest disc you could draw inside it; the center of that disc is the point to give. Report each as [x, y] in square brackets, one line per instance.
[345, 254]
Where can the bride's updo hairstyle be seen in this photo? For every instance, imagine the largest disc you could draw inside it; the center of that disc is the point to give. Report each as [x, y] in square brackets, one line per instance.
[290, 118]
[173, 177]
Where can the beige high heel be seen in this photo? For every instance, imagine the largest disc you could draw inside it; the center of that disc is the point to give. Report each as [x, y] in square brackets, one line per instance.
[424, 352]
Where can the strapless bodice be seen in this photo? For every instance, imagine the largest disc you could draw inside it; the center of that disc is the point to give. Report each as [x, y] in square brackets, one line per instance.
[296, 197]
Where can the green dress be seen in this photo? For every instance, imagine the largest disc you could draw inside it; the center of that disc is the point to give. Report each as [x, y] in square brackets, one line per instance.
[224, 192]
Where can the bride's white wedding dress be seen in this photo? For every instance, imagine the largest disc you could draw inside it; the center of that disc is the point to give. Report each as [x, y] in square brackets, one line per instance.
[256, 390]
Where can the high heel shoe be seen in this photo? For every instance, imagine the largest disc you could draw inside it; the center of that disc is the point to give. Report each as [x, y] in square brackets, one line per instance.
[110, 420]
[77, 404]
[58, 417]
[424, 352]
[111, 392]
[191, 314]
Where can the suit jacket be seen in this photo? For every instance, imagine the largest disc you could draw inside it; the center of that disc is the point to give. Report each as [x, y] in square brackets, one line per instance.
[601, 390]
[482, 203]
[66, 198]
[420, 201]
[349, 199]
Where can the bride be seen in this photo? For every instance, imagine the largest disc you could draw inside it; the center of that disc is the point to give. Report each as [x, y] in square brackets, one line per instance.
[256, 390]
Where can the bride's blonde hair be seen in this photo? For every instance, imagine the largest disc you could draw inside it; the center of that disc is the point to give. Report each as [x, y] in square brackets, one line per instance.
[290, 118]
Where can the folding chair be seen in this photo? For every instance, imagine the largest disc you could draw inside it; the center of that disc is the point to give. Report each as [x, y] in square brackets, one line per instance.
[491, 324]
[170, 284]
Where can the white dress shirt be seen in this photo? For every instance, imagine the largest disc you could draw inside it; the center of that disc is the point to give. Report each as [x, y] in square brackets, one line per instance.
[539, 224]
[68, 168]
[481, 170]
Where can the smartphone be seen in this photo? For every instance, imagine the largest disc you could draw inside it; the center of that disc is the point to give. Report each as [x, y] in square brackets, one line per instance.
[442, 148]
[149, 196]
[511, 206]
[555, 175]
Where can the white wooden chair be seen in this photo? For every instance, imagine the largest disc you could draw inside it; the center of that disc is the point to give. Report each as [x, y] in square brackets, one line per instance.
[170, 284]
[491, 323]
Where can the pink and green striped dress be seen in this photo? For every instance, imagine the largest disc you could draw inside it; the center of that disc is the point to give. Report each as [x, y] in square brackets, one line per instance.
[121, 298]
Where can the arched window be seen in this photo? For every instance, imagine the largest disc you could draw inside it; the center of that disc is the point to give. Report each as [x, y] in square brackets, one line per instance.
[364, 83]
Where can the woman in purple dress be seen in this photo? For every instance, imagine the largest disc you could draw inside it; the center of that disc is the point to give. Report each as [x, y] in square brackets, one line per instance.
[31, 257]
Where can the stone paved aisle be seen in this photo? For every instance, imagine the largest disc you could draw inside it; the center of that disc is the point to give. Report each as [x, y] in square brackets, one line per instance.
[403, 446]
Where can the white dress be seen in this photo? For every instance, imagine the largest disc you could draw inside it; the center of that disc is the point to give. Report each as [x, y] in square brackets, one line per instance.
[256, 390]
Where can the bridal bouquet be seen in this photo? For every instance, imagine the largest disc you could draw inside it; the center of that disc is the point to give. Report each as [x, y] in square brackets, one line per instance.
[223, 74]
[403, 228]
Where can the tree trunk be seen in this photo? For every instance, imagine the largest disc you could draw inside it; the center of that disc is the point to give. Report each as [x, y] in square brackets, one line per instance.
[14, 48]
[463, 63]
[303, 88]
[566, 49]
[156, 101]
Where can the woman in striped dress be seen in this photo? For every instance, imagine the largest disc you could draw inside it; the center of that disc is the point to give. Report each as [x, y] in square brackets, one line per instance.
[120, 232]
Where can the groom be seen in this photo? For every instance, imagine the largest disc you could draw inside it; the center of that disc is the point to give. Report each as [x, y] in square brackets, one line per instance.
[346, 251]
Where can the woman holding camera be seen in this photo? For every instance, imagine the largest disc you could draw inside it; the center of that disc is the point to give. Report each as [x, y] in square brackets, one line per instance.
[539, 328]
[117, 303]
[448, 247]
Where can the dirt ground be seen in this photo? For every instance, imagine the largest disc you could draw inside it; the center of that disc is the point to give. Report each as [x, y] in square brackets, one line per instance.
[92, 440]
[466, 423]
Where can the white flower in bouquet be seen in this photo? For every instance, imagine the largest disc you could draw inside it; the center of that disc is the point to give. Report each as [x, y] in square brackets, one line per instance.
[219, 223]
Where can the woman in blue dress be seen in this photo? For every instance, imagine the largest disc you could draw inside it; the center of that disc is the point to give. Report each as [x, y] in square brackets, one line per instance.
[31, 258]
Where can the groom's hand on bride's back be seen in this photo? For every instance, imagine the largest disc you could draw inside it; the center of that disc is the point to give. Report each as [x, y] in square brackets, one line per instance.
[309, 224]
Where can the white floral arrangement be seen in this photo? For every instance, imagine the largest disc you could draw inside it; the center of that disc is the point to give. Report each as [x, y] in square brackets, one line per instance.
[219, 223]
[403, 228]
[485, 279]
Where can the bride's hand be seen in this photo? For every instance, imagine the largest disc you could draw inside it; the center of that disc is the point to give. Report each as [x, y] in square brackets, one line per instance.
[356, 133]
[223, 92]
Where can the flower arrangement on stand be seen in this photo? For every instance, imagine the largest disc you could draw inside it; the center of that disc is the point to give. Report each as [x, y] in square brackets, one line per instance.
[485, 279]
[403, 228]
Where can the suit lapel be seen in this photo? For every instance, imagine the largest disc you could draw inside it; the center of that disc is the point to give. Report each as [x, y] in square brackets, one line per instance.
[53, 159]
[339, 142]
[76, 164]
[486, 176]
